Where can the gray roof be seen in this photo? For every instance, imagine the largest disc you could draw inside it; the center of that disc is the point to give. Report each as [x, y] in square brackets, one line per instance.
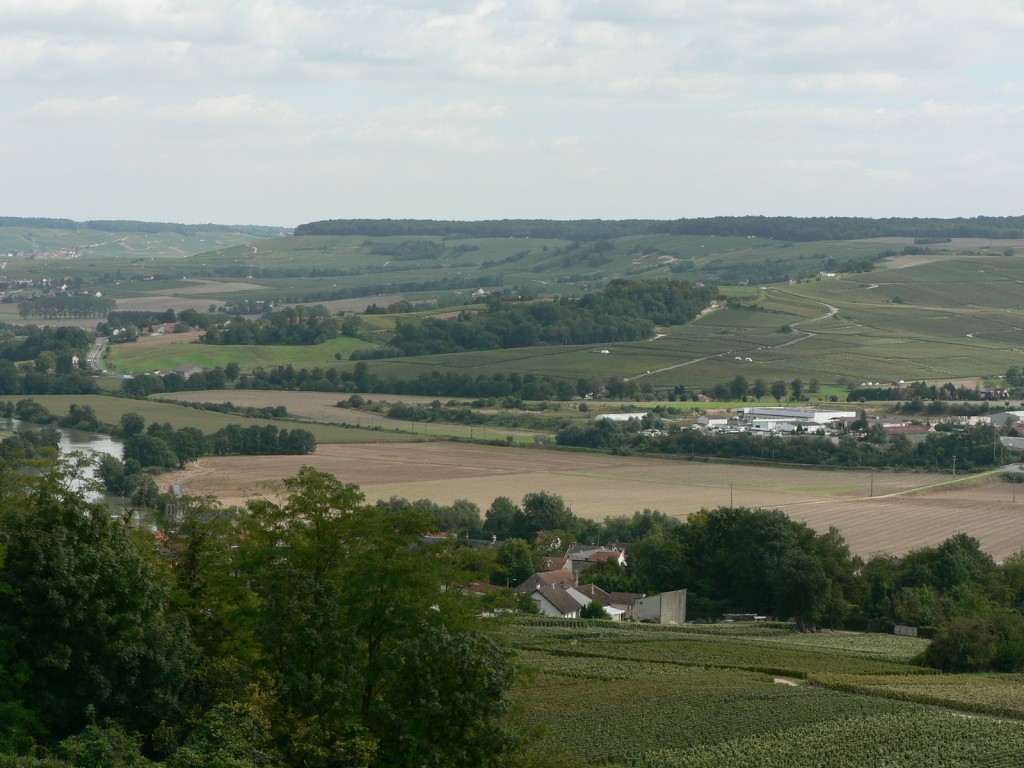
[558, 597]
[594, 592]
[546, 578]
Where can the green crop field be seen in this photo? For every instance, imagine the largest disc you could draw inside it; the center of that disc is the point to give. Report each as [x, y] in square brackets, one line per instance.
[598, 693]
[990, 694]
[142, 358]
[892, 324]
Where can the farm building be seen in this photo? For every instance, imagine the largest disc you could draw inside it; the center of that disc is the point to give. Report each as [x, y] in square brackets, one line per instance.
[1009, 418]
[619, 416]
[188, 371]
[666, 608]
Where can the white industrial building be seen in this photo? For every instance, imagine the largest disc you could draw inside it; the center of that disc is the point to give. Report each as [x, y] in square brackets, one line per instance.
[795, 414]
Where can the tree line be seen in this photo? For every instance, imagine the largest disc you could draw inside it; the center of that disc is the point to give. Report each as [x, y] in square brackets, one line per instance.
[293, 326]
[624, 310]
[31, 342]
[775, 227]
[528, 386]
[64, 307]
[124, 225]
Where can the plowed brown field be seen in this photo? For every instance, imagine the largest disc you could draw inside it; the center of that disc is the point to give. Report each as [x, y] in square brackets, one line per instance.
[597, 486]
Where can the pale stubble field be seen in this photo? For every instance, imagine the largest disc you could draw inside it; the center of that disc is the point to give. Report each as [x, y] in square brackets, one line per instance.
[596, 486]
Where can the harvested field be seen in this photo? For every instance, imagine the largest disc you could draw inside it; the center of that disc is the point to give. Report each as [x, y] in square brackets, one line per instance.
[214, 286]
[596, 486]
[160, 302]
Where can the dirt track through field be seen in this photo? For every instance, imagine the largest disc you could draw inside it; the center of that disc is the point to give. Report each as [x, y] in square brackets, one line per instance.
[597, 486]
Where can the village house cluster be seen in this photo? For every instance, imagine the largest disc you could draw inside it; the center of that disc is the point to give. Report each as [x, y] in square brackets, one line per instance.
[557, 592]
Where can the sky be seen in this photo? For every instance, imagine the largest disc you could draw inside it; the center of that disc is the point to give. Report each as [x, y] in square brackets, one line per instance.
[280, 112]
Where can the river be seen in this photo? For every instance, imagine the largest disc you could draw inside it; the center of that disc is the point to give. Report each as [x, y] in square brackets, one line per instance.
[77, 440]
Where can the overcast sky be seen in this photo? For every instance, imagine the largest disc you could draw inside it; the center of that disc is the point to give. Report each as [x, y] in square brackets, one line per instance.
[286, 111]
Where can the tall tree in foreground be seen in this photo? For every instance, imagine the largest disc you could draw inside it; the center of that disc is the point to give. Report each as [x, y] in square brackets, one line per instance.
[371, 660]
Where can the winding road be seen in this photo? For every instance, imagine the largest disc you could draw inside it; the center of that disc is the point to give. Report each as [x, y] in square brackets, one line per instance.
[832, 312]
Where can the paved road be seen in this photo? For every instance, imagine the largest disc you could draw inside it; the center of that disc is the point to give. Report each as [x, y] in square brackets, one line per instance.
[95, 359]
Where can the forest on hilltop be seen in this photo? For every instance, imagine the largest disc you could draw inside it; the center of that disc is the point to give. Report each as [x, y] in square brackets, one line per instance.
[776, 227]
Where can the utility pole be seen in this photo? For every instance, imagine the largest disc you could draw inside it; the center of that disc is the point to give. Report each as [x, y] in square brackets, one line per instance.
[872, 483]
[954, 465]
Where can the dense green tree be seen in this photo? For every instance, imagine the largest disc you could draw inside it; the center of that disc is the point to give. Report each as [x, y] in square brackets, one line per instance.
[800, 588]
[104, 746]
[93, 635]
[501, 517]
[188, 444]
[959, 560]
[110, 470]
[80, 417]
[150, 451]
[447, 710]
[516, 562]
[759, 389]
[739, 387]
[964, 644]
[461, 517]
[230, 735]
[543, 511]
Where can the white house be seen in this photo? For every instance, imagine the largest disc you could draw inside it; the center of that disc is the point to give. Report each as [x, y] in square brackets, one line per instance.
[553, 600]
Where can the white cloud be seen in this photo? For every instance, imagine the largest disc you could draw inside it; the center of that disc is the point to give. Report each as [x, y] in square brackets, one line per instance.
[239, 108]
[838, 82]
[978, 157]
[468, 110]
[70, 107]
[458, 138]
[888, 174]
[644, 94]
